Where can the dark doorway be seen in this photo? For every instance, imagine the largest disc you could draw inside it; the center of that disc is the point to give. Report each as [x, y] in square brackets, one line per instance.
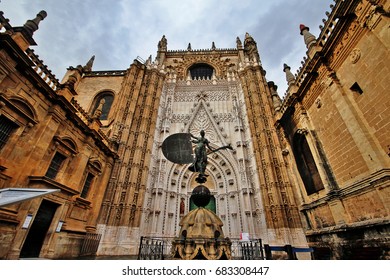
[37, 233]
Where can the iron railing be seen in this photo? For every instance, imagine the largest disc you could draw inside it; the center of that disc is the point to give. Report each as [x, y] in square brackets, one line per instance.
[90, 244]
[155, 248]
[160, 248]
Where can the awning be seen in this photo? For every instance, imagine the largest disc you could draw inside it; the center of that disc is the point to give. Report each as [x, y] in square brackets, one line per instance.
[14, 195]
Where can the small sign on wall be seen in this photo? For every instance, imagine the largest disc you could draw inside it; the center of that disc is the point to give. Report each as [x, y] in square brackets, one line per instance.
[244, 236]
[59, 226]
[27, 221]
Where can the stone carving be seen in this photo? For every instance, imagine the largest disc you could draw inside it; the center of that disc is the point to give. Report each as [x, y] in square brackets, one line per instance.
[355, 55]
[318, 103]
[162, 44]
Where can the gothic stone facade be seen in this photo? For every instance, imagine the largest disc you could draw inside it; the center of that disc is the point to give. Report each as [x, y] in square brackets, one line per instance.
[309, 170]
[219, 91]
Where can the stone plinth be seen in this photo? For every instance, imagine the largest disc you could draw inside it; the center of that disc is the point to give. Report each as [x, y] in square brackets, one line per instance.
[201, 237]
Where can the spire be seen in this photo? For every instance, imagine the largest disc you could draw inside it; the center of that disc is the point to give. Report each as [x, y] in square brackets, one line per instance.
[213, 46]
[248, 39]
[239, 43]
[250, 48]
[32, 25]
[289, 76]
[161, 50]
[189, 47]
[309, 38]
[88, 66]
[149, 60]
[162, 44]
[23, 35]
[277, 103]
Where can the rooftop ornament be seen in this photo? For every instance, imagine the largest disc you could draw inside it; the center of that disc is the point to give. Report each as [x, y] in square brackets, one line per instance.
[309, 38]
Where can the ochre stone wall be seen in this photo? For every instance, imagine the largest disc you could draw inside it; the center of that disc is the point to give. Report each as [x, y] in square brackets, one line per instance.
[340, 103]
[47, 123]
[366, 206]
[90, 86]
[322, 217]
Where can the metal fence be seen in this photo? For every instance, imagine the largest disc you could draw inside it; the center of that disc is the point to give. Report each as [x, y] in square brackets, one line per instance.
[160, 248]
[155, 248]
[90, 244]
[247, 250]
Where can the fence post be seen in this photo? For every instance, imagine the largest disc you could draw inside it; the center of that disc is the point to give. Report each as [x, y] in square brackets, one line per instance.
[268, 253]
[261, 249]
[140, 248]
[290, 252]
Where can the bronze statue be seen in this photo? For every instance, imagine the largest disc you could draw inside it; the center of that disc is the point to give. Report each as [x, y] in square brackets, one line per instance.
[201, 152]
[177, 148]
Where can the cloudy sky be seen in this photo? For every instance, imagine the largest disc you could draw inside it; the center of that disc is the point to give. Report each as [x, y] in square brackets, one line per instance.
[119, 31]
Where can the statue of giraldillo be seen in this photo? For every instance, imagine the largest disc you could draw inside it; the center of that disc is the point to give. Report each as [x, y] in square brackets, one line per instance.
[201, 152]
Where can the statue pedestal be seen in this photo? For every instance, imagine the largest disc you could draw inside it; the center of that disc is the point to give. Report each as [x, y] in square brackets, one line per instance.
[201, 237]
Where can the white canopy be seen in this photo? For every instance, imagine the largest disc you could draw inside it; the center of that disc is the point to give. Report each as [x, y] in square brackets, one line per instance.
[14, 195]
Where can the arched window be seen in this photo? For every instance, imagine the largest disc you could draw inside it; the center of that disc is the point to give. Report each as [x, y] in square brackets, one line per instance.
[106, 98]
[306, 165]
[201, 71]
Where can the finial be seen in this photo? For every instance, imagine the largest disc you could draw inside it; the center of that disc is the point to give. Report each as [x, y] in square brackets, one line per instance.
[272, 86]
[309, 38]
[88, 66]
[213, 46]
[277, 103]
[303, 27]
[289, 76]
[189, 47]
[32, 25]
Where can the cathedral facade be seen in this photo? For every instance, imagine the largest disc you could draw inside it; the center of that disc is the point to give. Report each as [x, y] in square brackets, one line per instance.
[310, 169]
[219, 91]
